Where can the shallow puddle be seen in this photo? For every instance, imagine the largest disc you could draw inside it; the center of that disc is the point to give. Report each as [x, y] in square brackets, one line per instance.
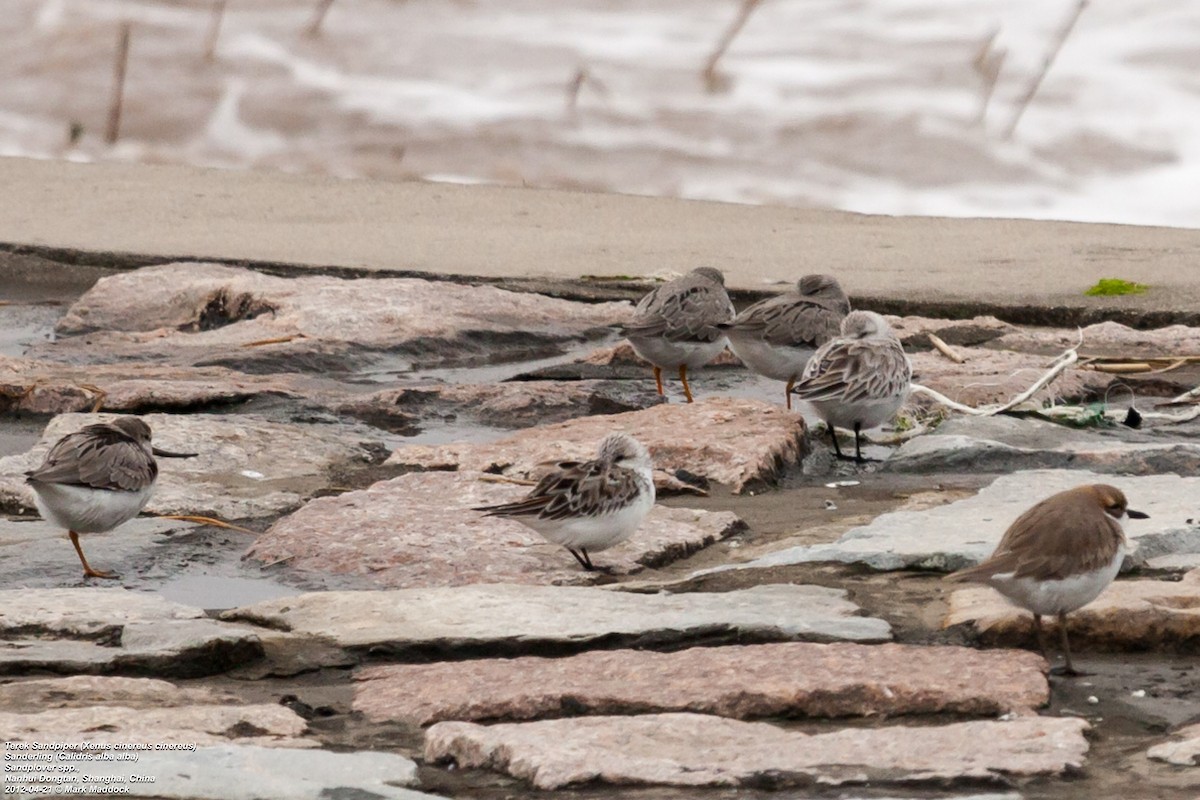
[221, 592]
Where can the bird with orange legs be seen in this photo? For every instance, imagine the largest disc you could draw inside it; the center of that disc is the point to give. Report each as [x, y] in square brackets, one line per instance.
[677, 326]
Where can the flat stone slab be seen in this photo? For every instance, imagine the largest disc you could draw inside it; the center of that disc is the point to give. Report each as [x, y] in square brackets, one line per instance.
[700, 750]
[204, 314]
[1183, 750]
[519, 404]
[246, 467]
[913, 331]
[269, 724]
[996, 376]
[440, 541]
[101, 630]
[1128, 615]
[38, 554]
[251, 772]
[1107, 338]
[1007, 444]
[514, 619]
[731, 441]
[43, 387]
[79, 691]
[821, 680]
[963, 533]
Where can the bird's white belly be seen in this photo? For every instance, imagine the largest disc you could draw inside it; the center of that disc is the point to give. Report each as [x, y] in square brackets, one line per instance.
[597, 533]
[866, 414]
[1059, 596]
[781, 363]
[672, 355]
[84, 510]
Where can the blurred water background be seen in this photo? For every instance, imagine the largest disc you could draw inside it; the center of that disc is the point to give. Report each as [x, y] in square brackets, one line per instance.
[879, 106]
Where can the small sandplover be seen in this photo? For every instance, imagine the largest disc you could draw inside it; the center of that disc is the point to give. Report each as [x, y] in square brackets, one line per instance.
[97, 478]
[858, 380]
[1058, 556]
[776, 337]
[676, 326]
[592, 505]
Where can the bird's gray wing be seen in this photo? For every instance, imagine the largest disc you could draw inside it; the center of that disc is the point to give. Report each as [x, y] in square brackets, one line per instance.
[591, 488]
[855, 370]
[685, 311]
[801, 323]
[100, 457]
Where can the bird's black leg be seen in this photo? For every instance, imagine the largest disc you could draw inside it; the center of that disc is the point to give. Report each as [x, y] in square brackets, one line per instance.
[858, 456]
[1041, 636]
[583, 560]
[837, 450]
[1068, 668]
[587, 560]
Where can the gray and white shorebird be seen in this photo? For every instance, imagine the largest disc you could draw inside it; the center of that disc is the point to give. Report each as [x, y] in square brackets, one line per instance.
[1058, 556]
[677, 326]
[858, 380]
[592, 505]
[776, 337]
[97, 478]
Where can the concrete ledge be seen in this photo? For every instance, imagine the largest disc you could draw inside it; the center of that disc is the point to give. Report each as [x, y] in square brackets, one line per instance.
[125, 214]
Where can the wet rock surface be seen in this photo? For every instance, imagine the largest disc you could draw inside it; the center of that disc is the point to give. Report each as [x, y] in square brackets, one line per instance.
[742, 444]
[95, 630]
[1006, 444]
[203, 724]
[699, 750]
[502, 405]
[990, 377]
[198, 314]
[418, 530]
[1107, 338]
[1182, 750]
[516, 619]
[349, 374]
[835, 680]
[83, 691]
[913, 331]
[42, 387]
[1129, 615]
[968, 530]
[245, 466]
[39, 554]
[250, 772]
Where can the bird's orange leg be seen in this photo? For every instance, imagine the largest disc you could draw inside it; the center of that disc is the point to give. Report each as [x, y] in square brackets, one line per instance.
[658, 380]
[788, 393]
[687, 390]
[88, 572]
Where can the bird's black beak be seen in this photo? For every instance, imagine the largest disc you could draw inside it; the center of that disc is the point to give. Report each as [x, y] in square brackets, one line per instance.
[169, 454]
[1136, 514]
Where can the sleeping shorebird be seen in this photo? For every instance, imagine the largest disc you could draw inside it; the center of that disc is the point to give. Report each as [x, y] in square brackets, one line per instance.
[97, 478]
[858, 380]
[589, 506]
[676, 325]
[1058, 556]
[776, 337]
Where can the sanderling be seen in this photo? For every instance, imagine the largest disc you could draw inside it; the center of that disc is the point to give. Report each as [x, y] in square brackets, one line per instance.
[1058, 556]
[676, 325]
[591, 505]
[97, 478]
[858, 380]
[776, 337]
